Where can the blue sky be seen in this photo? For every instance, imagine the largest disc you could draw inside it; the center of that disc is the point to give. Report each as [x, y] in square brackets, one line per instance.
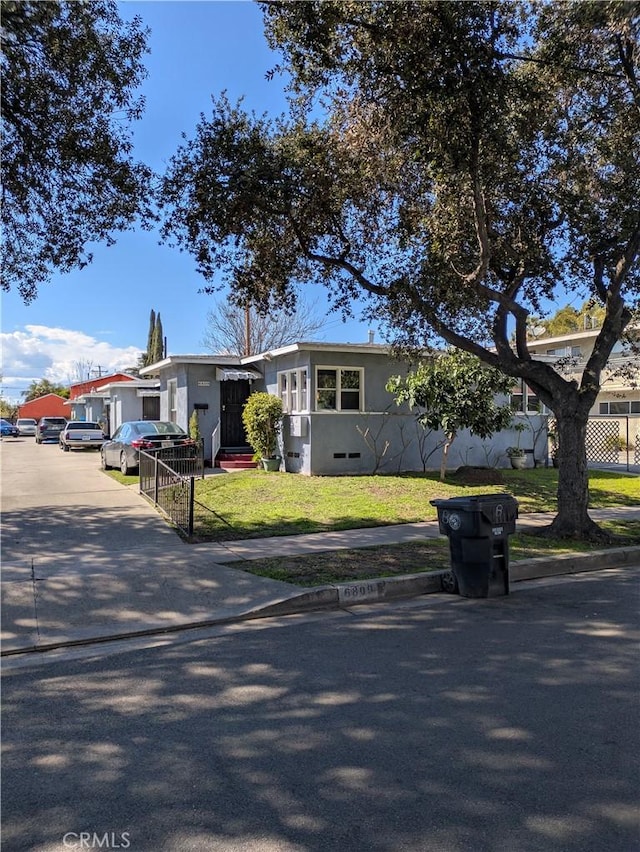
[101, 314]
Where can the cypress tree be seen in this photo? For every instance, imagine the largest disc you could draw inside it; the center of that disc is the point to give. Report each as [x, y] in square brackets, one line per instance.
[157, 350]
[146, 358]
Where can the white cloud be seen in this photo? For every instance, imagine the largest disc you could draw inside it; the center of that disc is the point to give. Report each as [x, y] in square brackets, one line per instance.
[40, 352]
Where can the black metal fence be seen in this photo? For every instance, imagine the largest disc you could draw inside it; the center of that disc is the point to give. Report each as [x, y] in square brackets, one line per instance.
[167, 477]
[187, 460]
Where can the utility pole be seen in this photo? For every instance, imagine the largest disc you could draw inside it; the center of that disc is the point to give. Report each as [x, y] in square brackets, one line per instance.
[247, 329]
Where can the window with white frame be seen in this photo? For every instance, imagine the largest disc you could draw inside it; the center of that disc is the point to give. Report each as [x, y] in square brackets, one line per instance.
[524, 400]
[566, 352]
[622, 407]
[172, 398]
[292, 390]
[339, 388]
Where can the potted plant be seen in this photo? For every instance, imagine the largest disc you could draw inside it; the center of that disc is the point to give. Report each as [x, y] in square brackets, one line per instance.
[262, 418]
[516, 454]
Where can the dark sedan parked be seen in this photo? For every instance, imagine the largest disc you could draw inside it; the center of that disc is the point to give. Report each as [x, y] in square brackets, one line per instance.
[49, 428]
[122, 450]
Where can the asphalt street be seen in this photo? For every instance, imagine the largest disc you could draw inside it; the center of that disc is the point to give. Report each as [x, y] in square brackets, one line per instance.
[440, 724]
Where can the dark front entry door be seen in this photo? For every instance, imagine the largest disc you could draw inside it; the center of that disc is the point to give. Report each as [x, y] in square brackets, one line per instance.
[151, 408]
[233, 395]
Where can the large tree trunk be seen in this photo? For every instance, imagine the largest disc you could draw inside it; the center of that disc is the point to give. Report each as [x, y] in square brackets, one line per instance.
[572, 520]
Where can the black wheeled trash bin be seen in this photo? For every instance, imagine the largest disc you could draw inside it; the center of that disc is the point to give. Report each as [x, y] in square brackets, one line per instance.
[478, 529]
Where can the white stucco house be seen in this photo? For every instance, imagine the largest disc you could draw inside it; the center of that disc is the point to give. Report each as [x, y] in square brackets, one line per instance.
[114, 399]
[620, 394]
[613, 432]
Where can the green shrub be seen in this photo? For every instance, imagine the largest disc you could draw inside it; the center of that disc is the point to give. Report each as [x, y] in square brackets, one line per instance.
[615, 443]
[262, 418]
[194, 426]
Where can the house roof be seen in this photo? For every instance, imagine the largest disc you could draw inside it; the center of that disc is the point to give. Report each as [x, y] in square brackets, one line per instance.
[206, 360]
[135, 383]
[585, 334]
[588, 333]
[226, 362]
[315, 346]
[45, 396]
[88, 385]
[104, 391]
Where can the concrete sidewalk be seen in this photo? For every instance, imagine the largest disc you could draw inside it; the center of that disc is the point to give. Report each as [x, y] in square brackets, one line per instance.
[87, 594]
[298, 545]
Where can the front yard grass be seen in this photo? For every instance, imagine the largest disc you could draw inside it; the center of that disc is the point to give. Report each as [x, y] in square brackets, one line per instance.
[342, 566]
[255, 503]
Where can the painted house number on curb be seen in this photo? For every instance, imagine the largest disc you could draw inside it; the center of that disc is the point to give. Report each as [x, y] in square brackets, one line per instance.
[360, 592]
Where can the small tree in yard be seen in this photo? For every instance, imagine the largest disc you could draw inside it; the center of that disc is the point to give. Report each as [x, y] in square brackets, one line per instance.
[262, 418]
[454, 392]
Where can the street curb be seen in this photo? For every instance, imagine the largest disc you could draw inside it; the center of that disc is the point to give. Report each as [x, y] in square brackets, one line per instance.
[571, 563]
[345, 595]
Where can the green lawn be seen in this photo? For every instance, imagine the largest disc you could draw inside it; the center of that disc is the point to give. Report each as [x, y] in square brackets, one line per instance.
[342, 566]
[254, 503]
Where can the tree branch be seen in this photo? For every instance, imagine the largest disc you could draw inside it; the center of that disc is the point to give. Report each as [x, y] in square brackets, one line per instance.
[338, 263]
[629, 71]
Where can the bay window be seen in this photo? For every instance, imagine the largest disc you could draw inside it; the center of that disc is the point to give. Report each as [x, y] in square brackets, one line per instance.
[292, 390]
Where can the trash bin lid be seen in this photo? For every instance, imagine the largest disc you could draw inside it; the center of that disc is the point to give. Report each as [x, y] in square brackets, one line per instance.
[496, 508]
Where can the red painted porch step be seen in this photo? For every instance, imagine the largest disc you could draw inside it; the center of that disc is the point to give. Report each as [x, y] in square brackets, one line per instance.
[235, 461]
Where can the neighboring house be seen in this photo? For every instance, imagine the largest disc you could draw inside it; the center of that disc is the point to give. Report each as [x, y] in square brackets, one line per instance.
[115, 402]
[90, 385]
[217, 386]
[570, 353]
[339, 417]
[49, 405]
[112, 399]
[613, 432]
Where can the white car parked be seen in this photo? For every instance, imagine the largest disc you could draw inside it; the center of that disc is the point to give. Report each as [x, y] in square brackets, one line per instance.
[26, 426]
[81, 435]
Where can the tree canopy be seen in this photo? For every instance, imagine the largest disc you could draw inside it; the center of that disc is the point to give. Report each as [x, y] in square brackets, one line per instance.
[567, 320]
[8, 410]
[42, 387]
[69, 72]
[155, 341]
[458, 164]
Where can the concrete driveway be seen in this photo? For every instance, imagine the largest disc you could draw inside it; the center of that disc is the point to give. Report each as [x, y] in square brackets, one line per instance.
[85, 556]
